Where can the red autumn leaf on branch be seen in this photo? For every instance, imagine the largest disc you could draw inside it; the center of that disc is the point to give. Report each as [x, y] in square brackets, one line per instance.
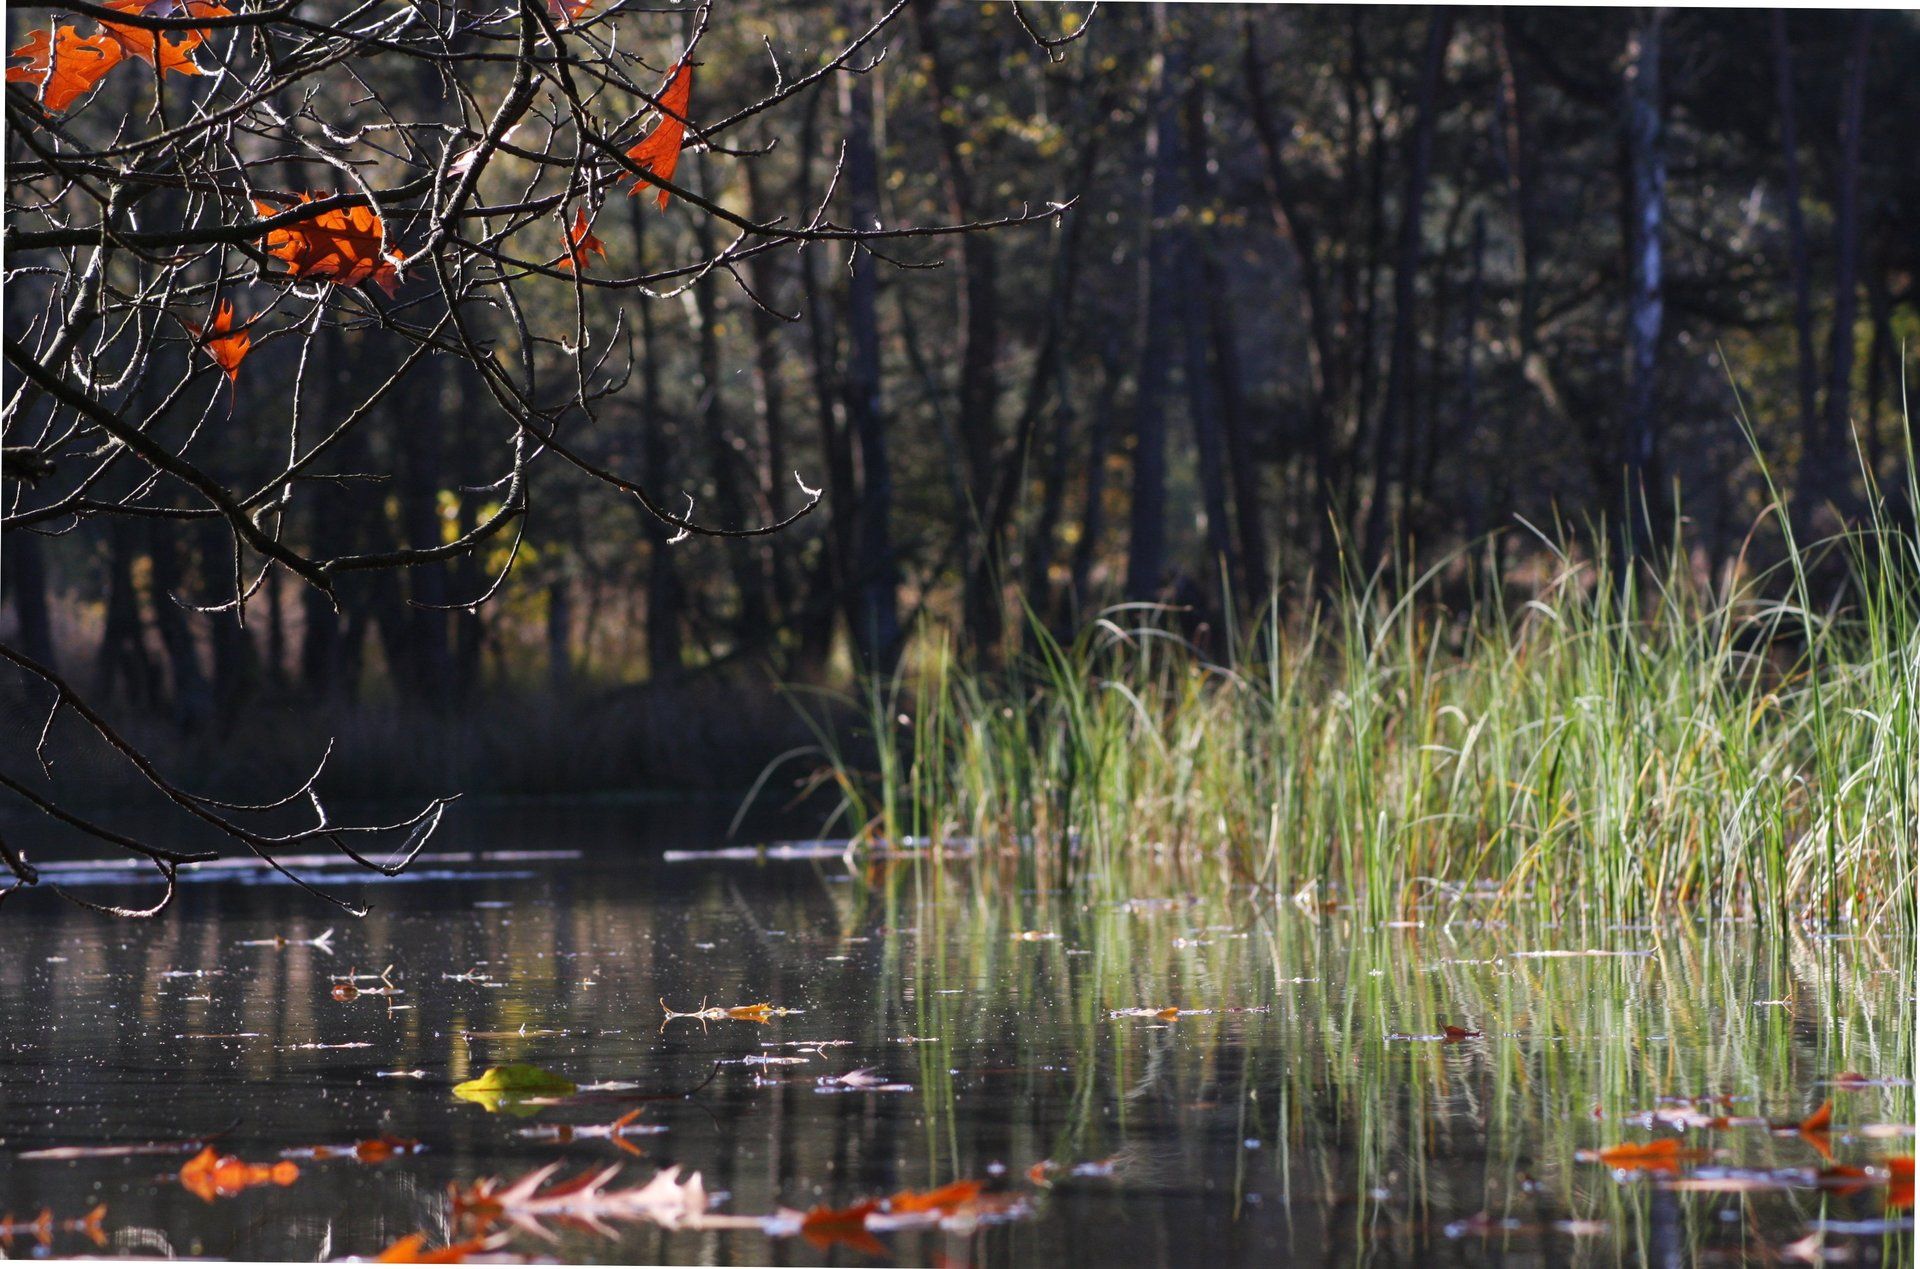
[66, 67]
[580, 242]
[566, 12]
[659, 151]
[154, 47]
[227, 347]
[341, 246]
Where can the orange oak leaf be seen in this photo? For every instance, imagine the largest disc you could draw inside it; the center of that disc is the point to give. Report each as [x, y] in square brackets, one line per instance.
[227, 347]
[1664, 1155]
[65, 66]
[824, 1227]
[341, 246]
[154, 47]
[1820, 1120]
[659, 151]
[580, 242]
[568, 11]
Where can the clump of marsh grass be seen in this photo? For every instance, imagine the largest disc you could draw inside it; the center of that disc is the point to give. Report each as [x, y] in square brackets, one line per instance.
[1629, 742]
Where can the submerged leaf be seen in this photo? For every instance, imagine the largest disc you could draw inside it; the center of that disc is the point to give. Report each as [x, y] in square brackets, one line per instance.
[513, 1088]
[1664, 1155]
[212, 1175]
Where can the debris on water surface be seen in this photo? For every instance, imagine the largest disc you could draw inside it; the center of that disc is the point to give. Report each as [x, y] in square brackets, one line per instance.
[517, 1088]
[761, 1013]
[322, 941]
[617, 1132]
[43, 1227]
[372, 1150]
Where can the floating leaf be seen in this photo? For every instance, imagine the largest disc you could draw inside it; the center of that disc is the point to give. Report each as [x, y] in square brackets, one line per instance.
[412, 1250]
[825, 1227]
[1820, 1120]
[586, 1201]
[1900, 1181]
[212, 1175]
[659, 151]
[511, 1088]
[944, 1199]
[43, 1227]
[1455, 1035]
[1664, 1155]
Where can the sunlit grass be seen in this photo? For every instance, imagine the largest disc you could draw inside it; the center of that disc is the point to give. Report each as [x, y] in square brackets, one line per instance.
[1623, 743]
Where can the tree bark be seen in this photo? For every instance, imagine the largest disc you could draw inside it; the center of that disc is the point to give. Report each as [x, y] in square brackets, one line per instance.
[1832, 457]
[1808, 378]
[1390, 436]
[1647, 176]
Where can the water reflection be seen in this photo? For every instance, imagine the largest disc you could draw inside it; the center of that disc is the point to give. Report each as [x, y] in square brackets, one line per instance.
[1007, 1034]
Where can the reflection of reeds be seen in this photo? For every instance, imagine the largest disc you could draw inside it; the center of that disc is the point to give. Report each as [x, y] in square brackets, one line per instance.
[1388, 1141]
[1600, 752]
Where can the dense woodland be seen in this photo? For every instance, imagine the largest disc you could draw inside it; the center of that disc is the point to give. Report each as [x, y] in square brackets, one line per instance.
[1287, 292]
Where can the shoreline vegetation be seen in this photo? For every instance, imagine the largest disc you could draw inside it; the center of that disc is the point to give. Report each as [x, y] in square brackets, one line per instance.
[1594, 753]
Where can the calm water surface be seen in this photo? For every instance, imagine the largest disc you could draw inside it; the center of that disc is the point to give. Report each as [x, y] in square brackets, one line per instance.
[1302, 1118]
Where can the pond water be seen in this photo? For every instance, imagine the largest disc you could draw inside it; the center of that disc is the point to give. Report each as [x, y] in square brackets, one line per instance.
[1303, 1105]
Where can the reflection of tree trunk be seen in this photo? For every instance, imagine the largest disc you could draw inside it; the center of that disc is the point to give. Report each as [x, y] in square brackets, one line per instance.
[426, 669]
[1390, 438]
[1647, 185]
[1832, 457]
[1093, 512]
[23, 572]
[1796, 222]
[874, 617]
[1147, 532]
[559, 637]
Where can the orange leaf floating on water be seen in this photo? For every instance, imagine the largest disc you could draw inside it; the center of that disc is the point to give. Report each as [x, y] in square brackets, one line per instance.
[1820, 1120]
[1455, 1035]
[65, 66]
[43, 1227]
[1664, 1155]
[580, 241]
[944, 1199]
[340, 245]
[227, 347]
[412, 1250]
[659, 151]
[212, 1175]
[1171, 1011]
[824, 1227]
[1900, 1181]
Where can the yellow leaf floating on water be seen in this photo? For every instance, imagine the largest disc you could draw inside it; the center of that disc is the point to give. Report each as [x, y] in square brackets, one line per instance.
[516, 1088]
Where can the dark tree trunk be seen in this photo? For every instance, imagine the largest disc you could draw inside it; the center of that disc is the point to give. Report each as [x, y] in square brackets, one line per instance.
[666, 595]
[874, 618]
[770, 402]
[123, 661]
[559, 637]
[1390, 437]
[1646, 297]
[23, 570]
[192, 699]
[979, 386]
[1147, 531]
[1809, 373]
[1832, 457]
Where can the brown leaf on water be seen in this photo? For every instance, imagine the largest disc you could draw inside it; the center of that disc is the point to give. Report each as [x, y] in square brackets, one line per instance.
[943, 1200]
[212, 1175]
[825, 1227]
[1820, 1120]
[1664, 1155]
[412, 1250]
[1455, 1035]
[1900, 1181]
